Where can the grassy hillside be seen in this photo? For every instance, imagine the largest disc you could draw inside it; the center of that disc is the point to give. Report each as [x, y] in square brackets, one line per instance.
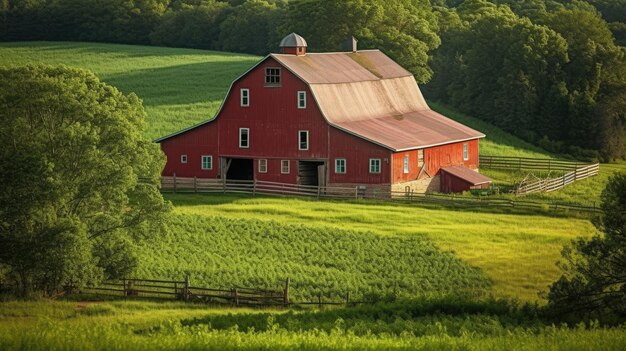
[179, 87]
[516, 252]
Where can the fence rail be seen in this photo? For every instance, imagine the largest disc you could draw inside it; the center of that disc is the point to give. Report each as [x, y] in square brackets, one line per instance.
[529, 164]
[197, 185]
[553, 184]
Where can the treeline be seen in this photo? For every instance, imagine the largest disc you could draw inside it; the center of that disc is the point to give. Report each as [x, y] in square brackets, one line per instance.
[550, 71]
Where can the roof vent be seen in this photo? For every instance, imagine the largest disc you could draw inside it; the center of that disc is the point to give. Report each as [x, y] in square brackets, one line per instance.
[350, 44]
[293, 44]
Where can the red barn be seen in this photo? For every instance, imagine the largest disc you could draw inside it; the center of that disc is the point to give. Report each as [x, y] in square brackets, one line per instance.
[338, 118]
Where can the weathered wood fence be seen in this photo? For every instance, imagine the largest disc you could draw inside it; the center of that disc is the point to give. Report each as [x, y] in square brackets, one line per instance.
[237, 296]
[198, 185]
[553, 184]
[183, 291]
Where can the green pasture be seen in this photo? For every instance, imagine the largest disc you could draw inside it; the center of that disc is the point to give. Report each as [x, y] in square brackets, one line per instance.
[430, 325]
[517, 252]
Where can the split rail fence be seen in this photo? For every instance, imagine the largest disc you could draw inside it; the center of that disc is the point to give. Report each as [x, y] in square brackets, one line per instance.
[199, 185]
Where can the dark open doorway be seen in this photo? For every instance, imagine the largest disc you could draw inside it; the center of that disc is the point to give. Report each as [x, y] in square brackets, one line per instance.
[311, 173]
[239, 169]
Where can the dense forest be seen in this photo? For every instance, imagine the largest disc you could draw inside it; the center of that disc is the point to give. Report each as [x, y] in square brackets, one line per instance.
[550, 71]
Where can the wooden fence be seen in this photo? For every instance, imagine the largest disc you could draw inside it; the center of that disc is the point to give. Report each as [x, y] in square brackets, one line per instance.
[529, 164]
[183, 291]
[197, 185]
[553, 184]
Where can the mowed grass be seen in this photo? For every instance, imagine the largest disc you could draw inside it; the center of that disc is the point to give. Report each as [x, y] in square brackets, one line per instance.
[408, 326]
[516, 252]
[179, 87]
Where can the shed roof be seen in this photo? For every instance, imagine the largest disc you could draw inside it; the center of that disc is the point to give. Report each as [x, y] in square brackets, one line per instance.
[467, 174]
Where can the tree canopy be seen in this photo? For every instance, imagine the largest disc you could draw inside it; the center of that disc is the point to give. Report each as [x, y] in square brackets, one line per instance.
[80, 182]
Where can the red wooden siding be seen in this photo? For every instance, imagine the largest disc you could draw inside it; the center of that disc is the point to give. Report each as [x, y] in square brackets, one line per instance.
[357, 153]
[435, 158]
[194, 144]
[453, 184]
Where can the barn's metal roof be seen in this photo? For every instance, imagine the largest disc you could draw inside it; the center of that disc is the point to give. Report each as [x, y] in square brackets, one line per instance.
[292, 40]
[467, 175]
[369, 95]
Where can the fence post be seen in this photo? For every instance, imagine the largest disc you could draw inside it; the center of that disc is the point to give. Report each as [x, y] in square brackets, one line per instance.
[174, 183]
[186, 288]
[224, 185]
[195, 184]
[286, 293]
[254, 187]
[356, 192]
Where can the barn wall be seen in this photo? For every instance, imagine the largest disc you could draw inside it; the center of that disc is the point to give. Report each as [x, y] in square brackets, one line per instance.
[357, 153]
[435, 158]
[194, 144]
[273, 171]
[273, 118]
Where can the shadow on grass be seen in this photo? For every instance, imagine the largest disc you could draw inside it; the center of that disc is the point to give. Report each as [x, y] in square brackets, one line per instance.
[204, 82]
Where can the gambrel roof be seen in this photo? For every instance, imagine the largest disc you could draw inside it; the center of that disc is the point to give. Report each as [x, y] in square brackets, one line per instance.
[367, 94]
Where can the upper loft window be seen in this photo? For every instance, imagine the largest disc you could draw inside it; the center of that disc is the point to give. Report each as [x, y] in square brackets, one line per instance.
[406, 164]
[303, 140]
[465, 152]
[245, 97]
[302, 99]
[272, 77]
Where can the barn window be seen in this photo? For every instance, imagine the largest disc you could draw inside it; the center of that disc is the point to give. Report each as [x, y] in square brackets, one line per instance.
[420, 158]
[183, 158]
[406, 164]
[374, 165]
[465, 152]
[245, 97]
[303, 140]
[284, 166]
[272, 77]
[244, 138]
[340, 165]
[302, 99]
[207, 162]
[262, 166]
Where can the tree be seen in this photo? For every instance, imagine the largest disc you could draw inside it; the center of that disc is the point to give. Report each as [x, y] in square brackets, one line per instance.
[593, 284]
[80, 183]
[247, 28]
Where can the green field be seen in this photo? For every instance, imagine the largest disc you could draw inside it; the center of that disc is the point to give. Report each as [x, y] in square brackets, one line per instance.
[432, 325]
[424, 253]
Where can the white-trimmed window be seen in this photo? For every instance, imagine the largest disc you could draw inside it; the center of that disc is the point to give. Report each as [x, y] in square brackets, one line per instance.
[284, 166]
[303, 140]
[244, 95]
[374, 165]
[263, 166]
[340, 165]
[406, 164]
[420, 158]
[207, 162]
[244, 138]
[183, 158]
[465, 151]
[272, 76]
[302, 99]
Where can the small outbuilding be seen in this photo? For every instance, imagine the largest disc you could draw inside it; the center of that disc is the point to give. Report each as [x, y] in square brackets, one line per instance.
[456, 179]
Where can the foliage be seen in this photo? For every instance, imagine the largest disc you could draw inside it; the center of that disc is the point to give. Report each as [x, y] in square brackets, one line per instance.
[220, 252]
[594, 279]
[71, 153]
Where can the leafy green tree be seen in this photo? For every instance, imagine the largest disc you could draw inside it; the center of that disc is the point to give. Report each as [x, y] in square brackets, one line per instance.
[593, 284]
[404, 29]
[191, 26]
[247, 28]
[80, 183]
